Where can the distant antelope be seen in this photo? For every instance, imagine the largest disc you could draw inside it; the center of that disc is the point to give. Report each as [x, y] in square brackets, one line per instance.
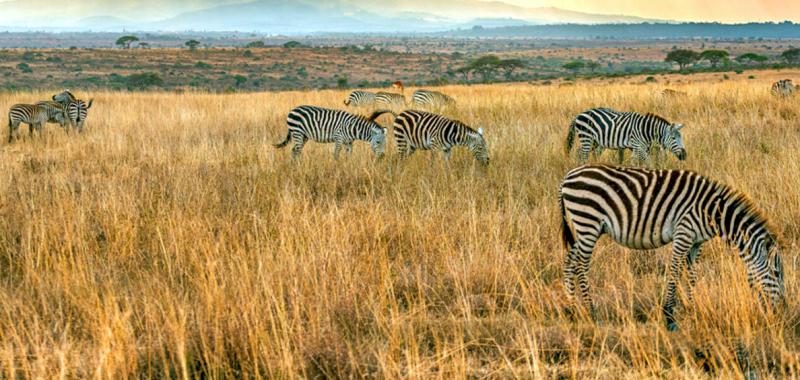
[669, 93]
[783, 88]
[399, 87]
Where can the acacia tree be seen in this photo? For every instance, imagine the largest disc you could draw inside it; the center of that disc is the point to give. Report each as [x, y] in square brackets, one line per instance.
[714, 57]
[192, 44]
[592, 66]
[126, 41]
[509, 66]
[682, 57]
[751, 58]
[574, 66]
[791, 55]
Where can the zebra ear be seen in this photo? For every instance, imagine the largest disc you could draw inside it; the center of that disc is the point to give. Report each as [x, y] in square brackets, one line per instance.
[678, 127]
[384, 131]
[91, 101]
[480, 131]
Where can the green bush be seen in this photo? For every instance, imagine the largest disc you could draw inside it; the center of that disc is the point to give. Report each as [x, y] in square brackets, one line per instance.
[24, 67]
[144, 80]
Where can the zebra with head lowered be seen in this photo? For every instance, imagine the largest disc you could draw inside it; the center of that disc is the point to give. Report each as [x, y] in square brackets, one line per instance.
[426, 131]
[36, 116]
[76, 109]
[646, 209]
[360, 99]
[431, 99]
[602, 128]
[333, 126]
[783, 88]
[55, 113]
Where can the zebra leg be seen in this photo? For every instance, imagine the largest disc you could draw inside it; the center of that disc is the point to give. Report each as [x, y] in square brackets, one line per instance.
[336, 149]
[691, 258]
[348, 148]
[584, 149]
[446, 153]
[621, 155]
[12, 130]
[642, 158]
[681, 245]
[577, 265]
[598, 152]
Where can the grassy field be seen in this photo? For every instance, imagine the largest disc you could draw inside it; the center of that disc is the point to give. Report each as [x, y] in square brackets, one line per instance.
[172, 239]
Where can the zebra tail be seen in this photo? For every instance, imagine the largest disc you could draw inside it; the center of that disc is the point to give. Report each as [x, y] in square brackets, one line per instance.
[347, 102]
[570, 138]
[284, 142]
[567, 237]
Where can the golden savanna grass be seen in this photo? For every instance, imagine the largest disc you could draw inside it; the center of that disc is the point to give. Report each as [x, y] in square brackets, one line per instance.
[172, 240]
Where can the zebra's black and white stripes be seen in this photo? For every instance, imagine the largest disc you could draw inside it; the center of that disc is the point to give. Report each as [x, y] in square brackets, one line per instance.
[34, 115]
[647, 209]
[390, 99]
[783, 88]
[431, 99]
[426, 131]
[77, 109]
[55, 112]
[360, 99]
[604, 128]
[333, 126]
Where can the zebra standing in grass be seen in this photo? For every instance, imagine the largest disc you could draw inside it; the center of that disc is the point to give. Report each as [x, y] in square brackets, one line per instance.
[783, 88]
[432, 99]
[77, 109]
[390, 99]
[602, 128]
[55, 113]
[34, 115]
[360, 99]
[333, 126]
[646, 209]
[426, 131]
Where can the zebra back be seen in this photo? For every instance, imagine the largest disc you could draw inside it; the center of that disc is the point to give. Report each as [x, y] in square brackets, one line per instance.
[427, 131]
[360, 99]
[427, 98]
[391, 99]
[28, 114]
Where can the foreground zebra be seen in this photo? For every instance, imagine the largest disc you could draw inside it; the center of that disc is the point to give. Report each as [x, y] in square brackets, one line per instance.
[602, 128]
[647, 209]
[333, 126]
[55, 112]
[76, 109]
[390, 99]
[432, 99]
[783, 88]
[360, 99]
[426, 131]
[36, 116]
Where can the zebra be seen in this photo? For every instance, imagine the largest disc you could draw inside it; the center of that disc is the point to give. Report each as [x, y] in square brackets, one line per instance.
[783, 88]
[390, 99]
[360, 99]
[426, 131]
[333, 126]
[601, 128]
[34, 115]
[77, 109]
[55, 113]
[646, 209]
[434, 99]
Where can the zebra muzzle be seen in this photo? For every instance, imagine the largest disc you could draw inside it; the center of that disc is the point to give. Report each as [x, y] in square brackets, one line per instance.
[681, 154]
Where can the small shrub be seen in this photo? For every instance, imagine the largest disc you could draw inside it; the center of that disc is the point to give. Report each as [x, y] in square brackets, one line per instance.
[24, 67]
[650, 79]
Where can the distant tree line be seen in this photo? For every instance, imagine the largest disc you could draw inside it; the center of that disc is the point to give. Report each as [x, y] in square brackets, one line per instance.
[685, 57]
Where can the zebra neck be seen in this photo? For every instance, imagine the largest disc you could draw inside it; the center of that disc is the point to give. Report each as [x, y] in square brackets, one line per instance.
[738, 222]
[362, 130]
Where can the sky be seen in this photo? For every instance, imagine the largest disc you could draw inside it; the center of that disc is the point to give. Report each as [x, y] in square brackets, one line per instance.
[683, 10]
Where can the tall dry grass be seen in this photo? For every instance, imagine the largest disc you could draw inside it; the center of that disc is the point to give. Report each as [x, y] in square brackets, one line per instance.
[172, 240]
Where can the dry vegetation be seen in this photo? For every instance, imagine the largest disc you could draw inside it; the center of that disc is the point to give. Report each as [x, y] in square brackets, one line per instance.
[171, 239]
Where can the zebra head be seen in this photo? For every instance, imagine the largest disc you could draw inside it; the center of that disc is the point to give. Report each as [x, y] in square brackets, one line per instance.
[671, 139]
[477, 144]
[64, 97]
[377, 140]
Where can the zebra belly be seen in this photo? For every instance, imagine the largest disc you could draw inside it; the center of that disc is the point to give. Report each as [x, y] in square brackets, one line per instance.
[656, 237]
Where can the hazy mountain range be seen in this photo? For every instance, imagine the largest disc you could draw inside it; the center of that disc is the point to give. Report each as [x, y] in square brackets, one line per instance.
[283, 16]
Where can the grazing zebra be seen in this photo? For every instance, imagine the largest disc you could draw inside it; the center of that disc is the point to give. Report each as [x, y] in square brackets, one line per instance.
[390, 99]
[426, 131]
[646, 209]
[602, 128]
[77, 109]
[55, 112]
[333, 126]
[783, 88]
[34, 115]
[360, 99]
[434, 99]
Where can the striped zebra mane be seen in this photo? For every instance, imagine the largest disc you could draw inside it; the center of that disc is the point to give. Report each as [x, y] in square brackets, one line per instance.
[657, 117]
[741, 199]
